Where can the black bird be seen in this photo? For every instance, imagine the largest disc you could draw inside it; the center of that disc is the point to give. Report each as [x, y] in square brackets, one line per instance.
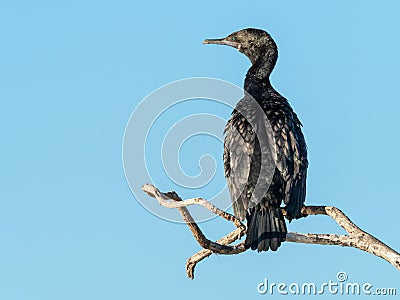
[266, 227]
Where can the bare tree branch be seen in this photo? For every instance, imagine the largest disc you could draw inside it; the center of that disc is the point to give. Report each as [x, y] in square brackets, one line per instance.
[356, 237]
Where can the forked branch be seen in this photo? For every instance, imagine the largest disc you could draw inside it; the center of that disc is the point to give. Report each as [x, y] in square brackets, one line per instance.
[356, 237]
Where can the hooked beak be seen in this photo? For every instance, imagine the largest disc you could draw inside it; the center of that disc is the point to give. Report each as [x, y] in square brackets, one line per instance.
[222, 42]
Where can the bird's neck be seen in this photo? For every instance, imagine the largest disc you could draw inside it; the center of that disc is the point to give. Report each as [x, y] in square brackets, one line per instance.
[260, 70]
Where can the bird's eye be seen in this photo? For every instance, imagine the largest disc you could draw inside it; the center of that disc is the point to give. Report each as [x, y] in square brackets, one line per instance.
[233, 38]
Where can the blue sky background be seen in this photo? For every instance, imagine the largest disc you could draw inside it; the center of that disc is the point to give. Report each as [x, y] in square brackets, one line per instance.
[73, 72]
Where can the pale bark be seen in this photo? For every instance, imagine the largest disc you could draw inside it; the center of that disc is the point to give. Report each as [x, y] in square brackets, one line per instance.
[356, 237]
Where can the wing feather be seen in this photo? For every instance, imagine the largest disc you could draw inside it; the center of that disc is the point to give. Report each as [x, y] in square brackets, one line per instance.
[291, 160]
[238, 150]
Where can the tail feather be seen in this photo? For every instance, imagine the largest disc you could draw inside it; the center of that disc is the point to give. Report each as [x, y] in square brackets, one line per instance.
[266, 229]
[264, 242]
[274, 233]
[283, 227]
[253, 234]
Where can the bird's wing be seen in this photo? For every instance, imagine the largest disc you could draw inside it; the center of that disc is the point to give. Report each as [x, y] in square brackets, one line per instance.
[238, 151]
[291, 160]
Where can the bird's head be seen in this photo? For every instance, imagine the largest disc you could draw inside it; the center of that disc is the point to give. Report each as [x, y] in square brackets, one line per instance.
[254, 43]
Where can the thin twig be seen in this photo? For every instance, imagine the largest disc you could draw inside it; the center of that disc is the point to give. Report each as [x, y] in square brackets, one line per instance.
[165, 200]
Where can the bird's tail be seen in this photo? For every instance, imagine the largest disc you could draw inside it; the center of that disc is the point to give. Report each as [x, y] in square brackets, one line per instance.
[266, 228]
